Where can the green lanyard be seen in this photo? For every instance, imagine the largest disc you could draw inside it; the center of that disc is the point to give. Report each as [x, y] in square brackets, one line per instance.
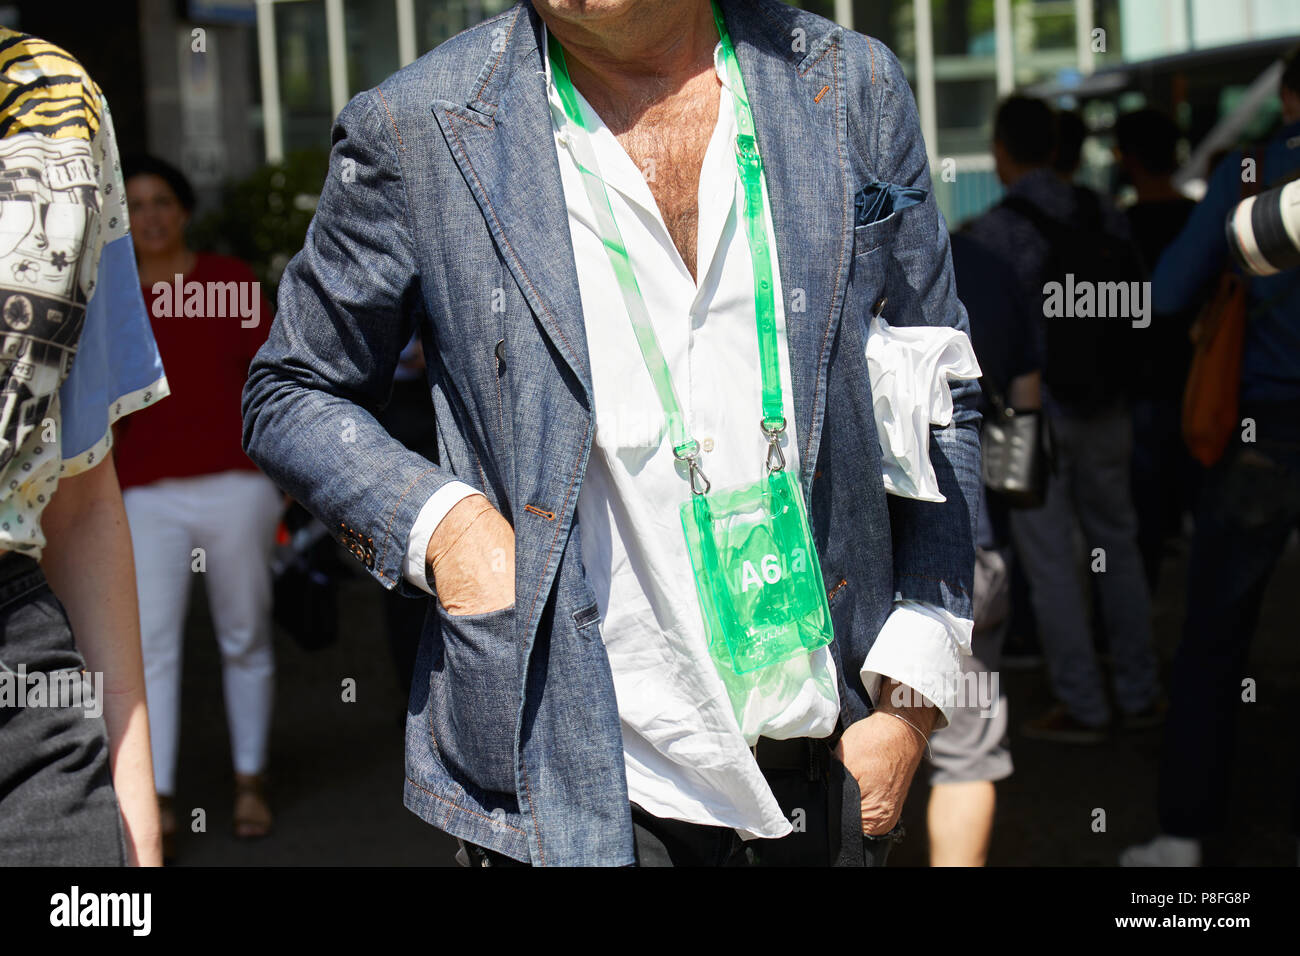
[750, 168]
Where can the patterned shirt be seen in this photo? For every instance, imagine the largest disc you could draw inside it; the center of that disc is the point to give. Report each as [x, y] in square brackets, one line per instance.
[76, 350]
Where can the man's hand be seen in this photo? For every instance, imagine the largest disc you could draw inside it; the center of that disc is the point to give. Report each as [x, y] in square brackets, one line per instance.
[471, 558]
[882, 753]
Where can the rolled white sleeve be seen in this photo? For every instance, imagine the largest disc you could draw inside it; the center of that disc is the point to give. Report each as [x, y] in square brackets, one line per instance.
[921, 646]
[430, 516]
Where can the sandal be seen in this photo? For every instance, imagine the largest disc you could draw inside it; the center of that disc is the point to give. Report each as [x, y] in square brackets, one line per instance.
[252, 814]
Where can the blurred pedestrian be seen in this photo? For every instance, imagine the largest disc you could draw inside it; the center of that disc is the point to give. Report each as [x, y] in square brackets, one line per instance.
[1055, 235]
[969, 755]
[196, 503]
[1248, 508]
[76, 785]
[1070, 134]
[1164, 474]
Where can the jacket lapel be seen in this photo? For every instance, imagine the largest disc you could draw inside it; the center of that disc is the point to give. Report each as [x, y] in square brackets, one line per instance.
[503, 143]
[794, 79]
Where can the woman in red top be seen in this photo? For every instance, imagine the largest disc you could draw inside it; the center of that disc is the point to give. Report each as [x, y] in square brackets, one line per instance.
[196, 503]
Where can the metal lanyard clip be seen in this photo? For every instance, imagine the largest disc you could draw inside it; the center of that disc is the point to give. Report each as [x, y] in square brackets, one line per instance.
[775, 457]
[689, 453]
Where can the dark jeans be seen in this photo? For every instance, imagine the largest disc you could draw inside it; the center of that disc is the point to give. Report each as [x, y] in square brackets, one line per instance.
[57, 806]
[1249, 506]
[817, 794]
[1164, 476]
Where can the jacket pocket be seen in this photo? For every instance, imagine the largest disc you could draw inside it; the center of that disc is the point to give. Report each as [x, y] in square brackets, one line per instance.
[475, 697]
[870, 237]
[877, 201]
[876, 209]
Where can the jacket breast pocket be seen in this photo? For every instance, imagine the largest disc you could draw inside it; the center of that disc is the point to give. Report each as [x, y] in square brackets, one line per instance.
[867, 239]
[876, 209]
[475, 693]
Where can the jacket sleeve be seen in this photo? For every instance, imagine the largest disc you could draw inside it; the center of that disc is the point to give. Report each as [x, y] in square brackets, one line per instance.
[348, 303]
[1198, 253]
[934, 542]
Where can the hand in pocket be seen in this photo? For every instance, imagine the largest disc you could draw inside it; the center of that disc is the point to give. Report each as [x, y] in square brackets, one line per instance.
[472, 557]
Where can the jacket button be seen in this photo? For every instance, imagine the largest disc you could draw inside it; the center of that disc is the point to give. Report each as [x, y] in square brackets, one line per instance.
[501, 351]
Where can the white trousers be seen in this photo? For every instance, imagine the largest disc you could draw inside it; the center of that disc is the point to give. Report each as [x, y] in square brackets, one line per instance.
[231, 517]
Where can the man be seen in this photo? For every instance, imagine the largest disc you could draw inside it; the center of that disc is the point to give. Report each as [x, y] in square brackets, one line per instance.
[566, 709]
[972, 753]
[1071, 132]
[1146, 145]
[1249, 505]
[1084, 400]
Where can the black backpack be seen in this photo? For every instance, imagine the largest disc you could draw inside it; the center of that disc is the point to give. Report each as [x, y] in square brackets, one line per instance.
[1089, 362]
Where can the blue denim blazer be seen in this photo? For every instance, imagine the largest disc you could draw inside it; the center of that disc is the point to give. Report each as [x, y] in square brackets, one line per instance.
[443, 212]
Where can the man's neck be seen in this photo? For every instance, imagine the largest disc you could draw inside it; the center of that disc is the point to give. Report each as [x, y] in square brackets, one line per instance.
[635, 57]
[1015, 172]
[1154, 188]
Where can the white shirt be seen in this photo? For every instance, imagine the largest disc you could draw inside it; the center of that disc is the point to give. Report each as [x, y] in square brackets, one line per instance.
[686, 755]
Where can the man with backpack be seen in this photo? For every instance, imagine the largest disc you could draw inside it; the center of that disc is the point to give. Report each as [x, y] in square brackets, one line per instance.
[1077, 269]
[1248, 509]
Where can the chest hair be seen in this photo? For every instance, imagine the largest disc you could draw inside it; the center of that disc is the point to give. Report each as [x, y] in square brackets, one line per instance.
[667, 137]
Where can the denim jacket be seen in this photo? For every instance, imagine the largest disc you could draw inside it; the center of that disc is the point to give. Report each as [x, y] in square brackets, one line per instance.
[443, 213]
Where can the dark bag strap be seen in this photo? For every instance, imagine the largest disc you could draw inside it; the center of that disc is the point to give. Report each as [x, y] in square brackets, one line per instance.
[1051, 228]
[1088, 206]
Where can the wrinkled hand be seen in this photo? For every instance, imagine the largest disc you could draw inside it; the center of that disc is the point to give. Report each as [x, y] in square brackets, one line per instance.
[471, 558]
[883, 753]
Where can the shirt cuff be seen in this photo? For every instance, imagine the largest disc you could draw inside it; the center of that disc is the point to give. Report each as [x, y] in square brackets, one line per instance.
[430, 516]
[921, 646]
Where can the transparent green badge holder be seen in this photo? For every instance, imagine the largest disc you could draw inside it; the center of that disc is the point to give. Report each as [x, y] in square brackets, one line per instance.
[757, 574]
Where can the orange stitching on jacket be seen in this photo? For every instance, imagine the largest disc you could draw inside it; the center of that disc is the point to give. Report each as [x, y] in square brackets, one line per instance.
[472, 120]
[839, 269]
[500, 53]
[818, 97]
[555, 537]
[446, 820]
[541, 852]
[392, 517]
[808, 69]
[384, 100]
[548, 515]
[474, 813]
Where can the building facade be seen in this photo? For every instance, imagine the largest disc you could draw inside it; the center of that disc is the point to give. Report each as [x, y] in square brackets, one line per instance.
[228, 85]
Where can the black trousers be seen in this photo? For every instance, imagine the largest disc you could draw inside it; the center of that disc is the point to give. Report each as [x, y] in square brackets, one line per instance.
[57, 806]
[1249, 505]
[816, 793]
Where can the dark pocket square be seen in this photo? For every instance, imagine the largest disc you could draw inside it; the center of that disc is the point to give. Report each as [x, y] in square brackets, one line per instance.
[877, 201]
